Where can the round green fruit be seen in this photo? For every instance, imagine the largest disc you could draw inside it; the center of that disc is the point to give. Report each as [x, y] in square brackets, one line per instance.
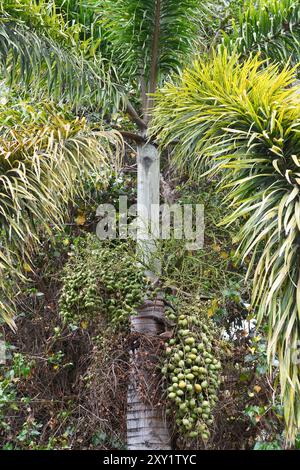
[190, 376]
[190, 340]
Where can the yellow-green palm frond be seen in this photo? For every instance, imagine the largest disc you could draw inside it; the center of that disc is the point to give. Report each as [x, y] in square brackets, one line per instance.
[244, 119]
[45, 155]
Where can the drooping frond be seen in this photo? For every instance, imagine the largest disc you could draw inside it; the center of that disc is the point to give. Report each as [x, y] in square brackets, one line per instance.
[45, 155]
[244, 118]
[271, 27]
[41, 51]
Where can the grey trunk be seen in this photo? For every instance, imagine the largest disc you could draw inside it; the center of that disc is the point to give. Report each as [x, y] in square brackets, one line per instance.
[146, 424]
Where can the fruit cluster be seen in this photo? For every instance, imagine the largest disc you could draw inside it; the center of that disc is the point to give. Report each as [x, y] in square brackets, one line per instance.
[101, 279]
[192, 371]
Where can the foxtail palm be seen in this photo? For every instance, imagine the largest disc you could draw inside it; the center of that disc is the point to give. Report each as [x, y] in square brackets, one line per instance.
[150, 39]
[121, 48]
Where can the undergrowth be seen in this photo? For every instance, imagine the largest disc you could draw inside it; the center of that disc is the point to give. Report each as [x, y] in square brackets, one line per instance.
[64, 383]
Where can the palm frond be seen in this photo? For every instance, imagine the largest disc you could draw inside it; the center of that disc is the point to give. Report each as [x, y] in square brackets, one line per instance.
[45, 155]
[271, 27]
[131, 25]
[41, 51]
[244, 118]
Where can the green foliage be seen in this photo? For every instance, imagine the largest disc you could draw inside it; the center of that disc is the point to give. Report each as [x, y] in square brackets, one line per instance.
[102, 279]
[15, 377]
[19, 369]
[192, 369]
[131, 24]
[271, 27]
[245, 120]
[261, 445]
[43, 52]
[215, 19]
[108, 46]
[102, 438]
[208, 271]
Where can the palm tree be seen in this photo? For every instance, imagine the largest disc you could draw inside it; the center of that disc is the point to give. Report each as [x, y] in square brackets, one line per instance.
[150, 39]
[116, 50]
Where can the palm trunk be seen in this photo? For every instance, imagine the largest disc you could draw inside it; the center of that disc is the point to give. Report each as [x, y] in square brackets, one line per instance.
[146, 425]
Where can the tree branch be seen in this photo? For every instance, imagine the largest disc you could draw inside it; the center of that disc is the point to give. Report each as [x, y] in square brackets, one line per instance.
[135, 117]
[139, 139]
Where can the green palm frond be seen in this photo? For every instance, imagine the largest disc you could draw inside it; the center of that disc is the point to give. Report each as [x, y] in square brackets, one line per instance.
[132, 24]
[271, 27]
[45, 155]
[244, 118]
[215, 19]
[40, 50]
